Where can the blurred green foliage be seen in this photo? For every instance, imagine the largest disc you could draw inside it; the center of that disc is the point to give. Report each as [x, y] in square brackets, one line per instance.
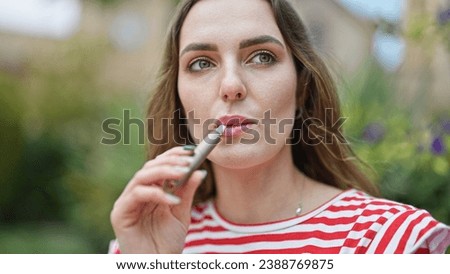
[406, 146]
[106, 2]
[58, 182]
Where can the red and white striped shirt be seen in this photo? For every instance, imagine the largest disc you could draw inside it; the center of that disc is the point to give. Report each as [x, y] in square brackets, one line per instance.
[352, 222]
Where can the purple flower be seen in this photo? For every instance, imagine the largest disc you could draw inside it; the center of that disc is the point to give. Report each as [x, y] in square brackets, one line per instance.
[444, 17]
[373, 132]
[437, 146]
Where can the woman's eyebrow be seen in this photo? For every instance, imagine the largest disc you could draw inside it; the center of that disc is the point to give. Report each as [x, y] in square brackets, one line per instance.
[199, 46]
[259, 40]
[243, 44]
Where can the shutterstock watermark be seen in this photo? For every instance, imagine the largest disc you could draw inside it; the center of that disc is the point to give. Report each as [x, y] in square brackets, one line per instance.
[311, 131]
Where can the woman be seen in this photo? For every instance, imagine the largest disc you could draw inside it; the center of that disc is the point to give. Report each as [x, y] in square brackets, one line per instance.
[282, 179]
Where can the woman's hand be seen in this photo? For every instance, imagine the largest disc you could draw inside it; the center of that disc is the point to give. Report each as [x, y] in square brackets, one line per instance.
[146, 219]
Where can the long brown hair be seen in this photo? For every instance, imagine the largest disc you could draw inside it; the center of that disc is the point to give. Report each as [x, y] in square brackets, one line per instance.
[330, 161]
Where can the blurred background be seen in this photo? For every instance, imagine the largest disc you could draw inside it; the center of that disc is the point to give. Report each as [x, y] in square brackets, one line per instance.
[68, 65]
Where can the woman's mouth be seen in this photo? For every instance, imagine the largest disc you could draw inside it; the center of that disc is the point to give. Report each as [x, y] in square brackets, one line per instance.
[235, 124]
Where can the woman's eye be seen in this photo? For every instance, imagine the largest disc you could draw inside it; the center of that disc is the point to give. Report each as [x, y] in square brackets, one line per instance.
[200, 64]
[262, 58]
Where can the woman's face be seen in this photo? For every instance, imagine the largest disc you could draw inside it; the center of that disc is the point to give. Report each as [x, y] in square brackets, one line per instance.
[235, 69]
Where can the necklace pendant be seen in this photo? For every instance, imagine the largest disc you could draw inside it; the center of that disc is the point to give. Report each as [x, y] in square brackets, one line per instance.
[298, 211]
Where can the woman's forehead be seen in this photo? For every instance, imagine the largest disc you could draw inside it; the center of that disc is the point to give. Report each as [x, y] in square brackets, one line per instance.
[228, 19]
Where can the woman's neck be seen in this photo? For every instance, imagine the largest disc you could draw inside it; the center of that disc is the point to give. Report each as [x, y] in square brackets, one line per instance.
[263, 193]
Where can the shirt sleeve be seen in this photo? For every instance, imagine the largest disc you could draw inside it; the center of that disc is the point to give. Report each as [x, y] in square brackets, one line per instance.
[411, 231]
[433, 241]
[114, 247]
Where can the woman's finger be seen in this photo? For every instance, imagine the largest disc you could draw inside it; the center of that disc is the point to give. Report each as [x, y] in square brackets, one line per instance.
[179, 150]
[175, 160]
[127, 208]
[157, 174]
[186, 194]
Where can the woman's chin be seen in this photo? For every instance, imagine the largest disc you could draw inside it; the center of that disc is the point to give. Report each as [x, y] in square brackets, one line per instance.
[241, 156]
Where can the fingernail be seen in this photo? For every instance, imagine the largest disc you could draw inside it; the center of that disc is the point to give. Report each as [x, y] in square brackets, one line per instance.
[205, 173]
[189, 147]
[172, 198]
[182, 169]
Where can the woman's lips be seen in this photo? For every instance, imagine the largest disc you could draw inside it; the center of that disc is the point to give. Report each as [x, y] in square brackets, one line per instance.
[235, 124]
[235, 130]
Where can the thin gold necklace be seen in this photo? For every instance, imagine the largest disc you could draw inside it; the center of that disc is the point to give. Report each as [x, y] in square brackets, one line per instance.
[299, 208]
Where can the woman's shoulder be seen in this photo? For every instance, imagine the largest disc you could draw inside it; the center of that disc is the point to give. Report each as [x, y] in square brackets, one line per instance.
[359, 199]
[386, 226]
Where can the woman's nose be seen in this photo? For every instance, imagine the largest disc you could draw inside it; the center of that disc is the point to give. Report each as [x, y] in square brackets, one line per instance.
[232, 87]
